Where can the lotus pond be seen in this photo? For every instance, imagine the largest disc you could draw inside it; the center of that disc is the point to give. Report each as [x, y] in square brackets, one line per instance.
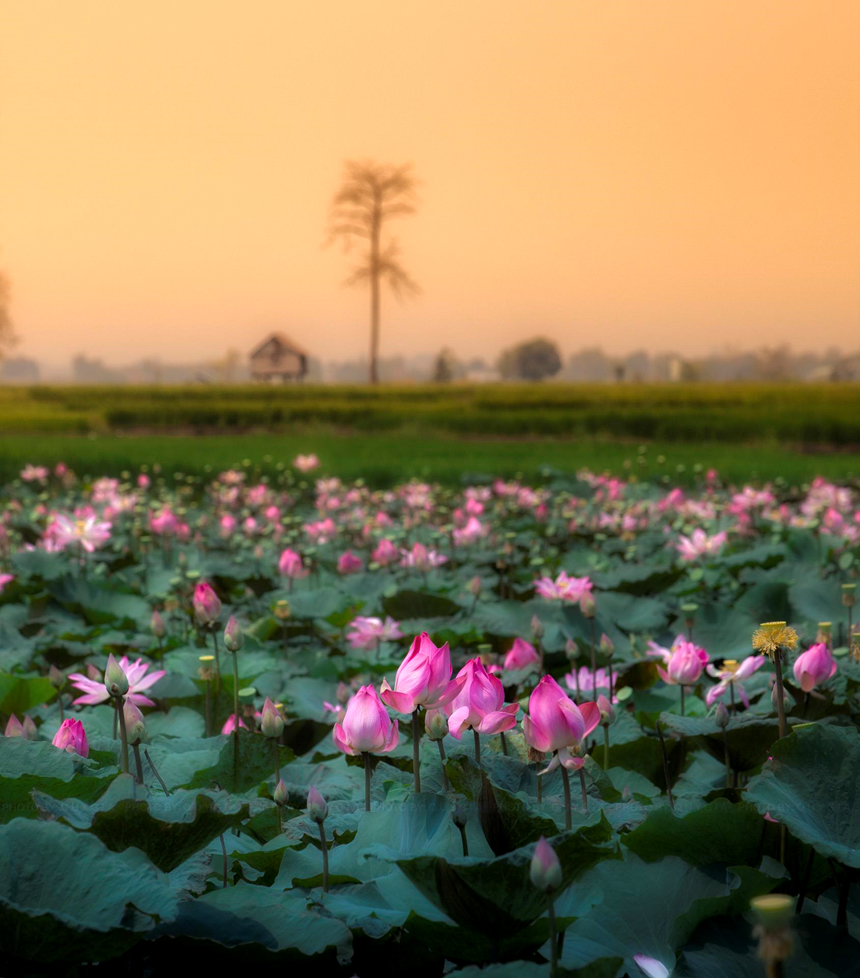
[587, 727]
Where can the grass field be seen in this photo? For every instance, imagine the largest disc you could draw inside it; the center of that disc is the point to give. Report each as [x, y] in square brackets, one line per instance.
[440, 432]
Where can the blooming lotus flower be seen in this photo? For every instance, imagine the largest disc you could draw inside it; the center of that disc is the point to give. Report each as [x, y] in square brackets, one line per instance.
[227, 525]
[685, 665]
[421, 558]
[423, 678]
[165, 523]
[34, 473]
[385, 553]
[480, 704]
[90, 532]
[348, 563]
[367, 633]
[563, 588]
[814, 666]
[230, 724]
[306, 463]
[699, 544]
[366, 727]
[207, 604]
[72, 737]
[732, 675]
[555, 723]
[522, 654]
[137, 682]
[322, 531]
[472, 531]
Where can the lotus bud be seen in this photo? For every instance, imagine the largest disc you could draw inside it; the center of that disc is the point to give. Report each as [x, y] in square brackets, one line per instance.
[606, 648]
[31, 731]
[435, 724]
[156, 624]
[134, 726]
[722, 715]
[272, 725]
[587, 605]
[206, 603]
[849, 595]
[93, 673]
[282, 609]
[459, 816]
[571, 649]
[116, 681]
[545, 871]
[72, 737]
[14, 727]
[280, 794]
[607, 712]
[474, 586]
[56, 677]
[233, 637]
[317, 807]
[537, 627]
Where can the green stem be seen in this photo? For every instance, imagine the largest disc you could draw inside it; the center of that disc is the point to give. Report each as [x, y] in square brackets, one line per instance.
[477, 747]
[605, 746]
[155, 772]
[565, 780]
[593, 658]
[122, 732]
[726, 754]
[208, 684]
[445, 785]
[682, 701]
[584, 792]
[236, 725]
[504, 743]
[137, 762]
[416, 758]
[367, 777]
[553, 943]
[324, 844]
[463, 839]
[277, 762]
[217, 663]
[665, 767]
[780, 704]
[224, 854]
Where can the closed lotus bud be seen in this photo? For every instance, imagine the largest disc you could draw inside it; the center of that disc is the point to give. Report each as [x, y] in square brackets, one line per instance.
[607, 713]
[206, 603]
[31, 731]
[135, 728]
[459, 816]
[317, 807]
[545, 871]
[571, 649]
[537, 627]
[93, 673]
[722, 715]
[272, 724]
[56, 677]
[280, 794]
[587, 605]
[14, 727]
[233, 637]
[156, 623]
[282, 609]
[474, 586]
[606, 647]
[116, 681]
[435, 724]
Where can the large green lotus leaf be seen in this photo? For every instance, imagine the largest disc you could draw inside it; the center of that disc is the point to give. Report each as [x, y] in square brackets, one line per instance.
[419, 604]
[644, 578]
[65, 897]
[100, 605]
[168, 829]
[256, 763]
[317, 603]
[607, 968]
[814, 599]
[336, 780]
[257, 922]
[718, 833]
[632, 748]
[723, 947]
[305, 695]
[642, 902]
[724, 632]
[18, 694]
[39, 564]
[750, 736]
[495, 896]
[27, 765]
[812, 788]
[179, 722]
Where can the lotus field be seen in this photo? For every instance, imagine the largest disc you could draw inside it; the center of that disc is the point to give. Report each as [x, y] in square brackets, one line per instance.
[589, 727]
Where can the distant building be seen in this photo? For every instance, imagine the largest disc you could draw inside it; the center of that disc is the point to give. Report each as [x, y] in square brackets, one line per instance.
[278, 359]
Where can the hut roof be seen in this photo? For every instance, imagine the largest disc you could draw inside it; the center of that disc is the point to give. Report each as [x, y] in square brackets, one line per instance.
[283, 339]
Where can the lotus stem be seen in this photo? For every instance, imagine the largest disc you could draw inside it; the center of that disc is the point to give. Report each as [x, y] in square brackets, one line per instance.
[137, 762]
[593, 657]
[277, 762]
[367, 777]
[123, 734]
[324, 844]
[504, 743]
[605, 746]
[553, 943]
[726, 755]
[224, 854]
[236, 726]
[665, 766]
[804, 883]
[780, 703]
[565, 780]
[463, 839]
[477, 747]
[416, 757]
[682, 701]
[217, 663]
[584, 792]
[155, 772]
[208, 707]
[539, 783]
[445, 785]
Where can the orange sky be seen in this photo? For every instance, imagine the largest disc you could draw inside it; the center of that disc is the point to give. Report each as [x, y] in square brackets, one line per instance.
[661, 173]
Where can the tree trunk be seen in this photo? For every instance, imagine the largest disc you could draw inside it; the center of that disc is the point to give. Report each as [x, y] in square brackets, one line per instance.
[374, 290]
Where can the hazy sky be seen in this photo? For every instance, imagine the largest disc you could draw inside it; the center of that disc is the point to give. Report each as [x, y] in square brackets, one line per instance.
[661, 173]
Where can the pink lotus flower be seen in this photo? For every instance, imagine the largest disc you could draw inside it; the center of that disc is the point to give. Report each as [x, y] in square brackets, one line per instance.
[699, 544]
[207, 604]
[322, 531]
[563, 588]
[421, 558]
[684, 661]
[480, 703]
[555, 723]
[27, 729]
[5, 579]
[306, 463]
[522, 654]
[472, 531]
[588, 684]
[367, 633]
[165, 523]
[366, 727]
[34, 473]
[732, 675]
[423, 678]
[545, 869]
[137, 682]
[348, 563]
[90, 533]
[72, 737]
[814, 666]
[290, 564]
[385, 553]
[651, 967]
[230, 725]
[227, 525]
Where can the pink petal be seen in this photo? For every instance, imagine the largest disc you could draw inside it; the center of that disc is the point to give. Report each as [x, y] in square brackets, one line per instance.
[458, 720]
[495, 722]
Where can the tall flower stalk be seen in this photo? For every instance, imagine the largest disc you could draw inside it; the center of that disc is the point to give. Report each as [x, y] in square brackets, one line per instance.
[774, 639]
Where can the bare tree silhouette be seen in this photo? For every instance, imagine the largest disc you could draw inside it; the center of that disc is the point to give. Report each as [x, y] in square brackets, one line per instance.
[371, 194]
